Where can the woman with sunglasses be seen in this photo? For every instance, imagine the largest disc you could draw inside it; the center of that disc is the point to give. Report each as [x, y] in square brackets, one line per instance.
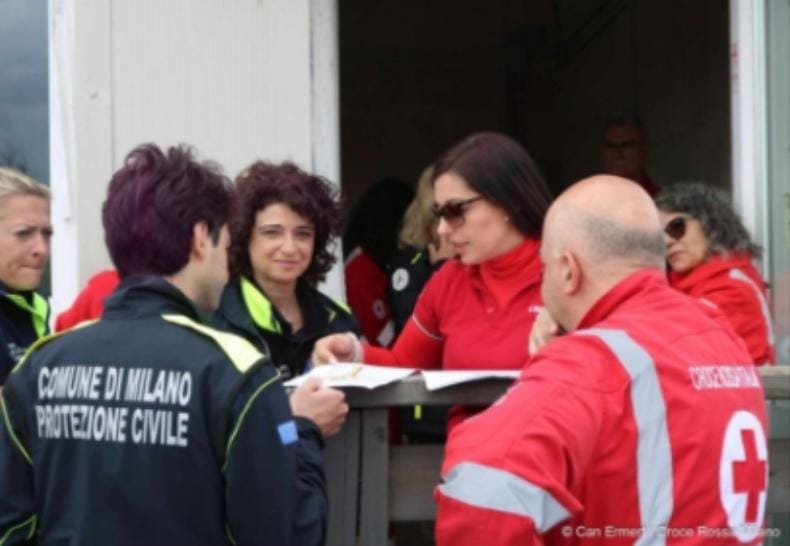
[710, 253]
[477, 310]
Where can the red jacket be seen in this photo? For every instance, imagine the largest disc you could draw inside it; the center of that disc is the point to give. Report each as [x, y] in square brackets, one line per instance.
[367, 292]
[649, 419]
[90, 302]
[732, 284]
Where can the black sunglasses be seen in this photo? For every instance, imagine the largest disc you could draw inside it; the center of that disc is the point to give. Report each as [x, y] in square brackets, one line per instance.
[453, 211]
[676, 228]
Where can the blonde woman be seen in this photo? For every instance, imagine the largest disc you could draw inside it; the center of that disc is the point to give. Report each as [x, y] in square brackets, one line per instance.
[420, 252]
[25, 231]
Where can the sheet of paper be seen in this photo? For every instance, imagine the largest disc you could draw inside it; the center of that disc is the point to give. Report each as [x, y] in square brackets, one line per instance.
[353, 375]
[435, 380]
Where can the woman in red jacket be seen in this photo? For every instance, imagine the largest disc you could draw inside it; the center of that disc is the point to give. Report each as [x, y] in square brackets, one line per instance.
[476, 312]
[710, 255]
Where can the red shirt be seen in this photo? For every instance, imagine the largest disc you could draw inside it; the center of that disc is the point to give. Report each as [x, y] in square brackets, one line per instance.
[90, 302]
[732, 284]
[458, 324]
[649, 417]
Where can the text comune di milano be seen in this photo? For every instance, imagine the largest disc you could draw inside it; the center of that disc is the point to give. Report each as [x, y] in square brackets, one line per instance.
[114, 404]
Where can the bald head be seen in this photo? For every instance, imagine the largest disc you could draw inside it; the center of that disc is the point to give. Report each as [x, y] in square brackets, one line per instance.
[607, 221]
[596, 233]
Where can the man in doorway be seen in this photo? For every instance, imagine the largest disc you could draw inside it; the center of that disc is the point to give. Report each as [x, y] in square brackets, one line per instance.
[148, 426]
[625, 150]
[646, 418]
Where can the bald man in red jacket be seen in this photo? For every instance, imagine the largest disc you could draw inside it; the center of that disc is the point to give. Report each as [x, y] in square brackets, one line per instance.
[645, 423]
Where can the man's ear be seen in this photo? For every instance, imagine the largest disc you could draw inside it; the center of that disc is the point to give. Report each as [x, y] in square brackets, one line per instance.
[571, 274]
[200, 239]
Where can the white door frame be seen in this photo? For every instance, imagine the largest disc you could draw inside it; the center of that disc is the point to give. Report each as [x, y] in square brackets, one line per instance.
[749, 132]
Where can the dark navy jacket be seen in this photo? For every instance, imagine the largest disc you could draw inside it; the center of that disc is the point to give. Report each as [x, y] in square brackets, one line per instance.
[245, 310]
[148, 427]
[410, 270]
[24, 317]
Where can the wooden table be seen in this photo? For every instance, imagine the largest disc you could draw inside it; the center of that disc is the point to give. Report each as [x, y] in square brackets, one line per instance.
[371, 483]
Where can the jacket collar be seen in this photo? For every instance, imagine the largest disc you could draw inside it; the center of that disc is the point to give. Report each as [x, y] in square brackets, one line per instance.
[247, 307]
[712, 267]
[145, 296]
[31, 302]
[640, 282]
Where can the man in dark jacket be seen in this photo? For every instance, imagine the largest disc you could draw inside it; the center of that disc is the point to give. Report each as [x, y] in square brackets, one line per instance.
[148, 426]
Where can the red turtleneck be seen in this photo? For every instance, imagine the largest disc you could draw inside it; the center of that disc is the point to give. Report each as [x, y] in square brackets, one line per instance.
[471, 318]
[508, 274]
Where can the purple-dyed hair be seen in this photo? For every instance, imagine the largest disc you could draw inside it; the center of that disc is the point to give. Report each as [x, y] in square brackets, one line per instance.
[153, 203]
[263, 184]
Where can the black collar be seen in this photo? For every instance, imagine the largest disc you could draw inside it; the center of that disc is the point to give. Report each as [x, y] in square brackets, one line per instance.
[147, 296]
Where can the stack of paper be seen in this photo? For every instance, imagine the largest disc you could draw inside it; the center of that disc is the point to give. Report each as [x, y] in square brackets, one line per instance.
[353, 375]
[435, 380]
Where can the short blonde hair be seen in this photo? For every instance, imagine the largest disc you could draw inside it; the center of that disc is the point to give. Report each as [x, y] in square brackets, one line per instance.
[419, 223]
[14, 182]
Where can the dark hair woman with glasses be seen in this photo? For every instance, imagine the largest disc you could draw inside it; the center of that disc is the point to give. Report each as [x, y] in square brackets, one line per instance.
[476, 312]
[710, 253]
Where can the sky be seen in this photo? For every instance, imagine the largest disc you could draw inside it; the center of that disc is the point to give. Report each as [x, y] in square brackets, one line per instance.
[24, 124]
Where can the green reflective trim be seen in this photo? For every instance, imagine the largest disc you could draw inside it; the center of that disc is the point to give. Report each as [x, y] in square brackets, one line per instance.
[332, 315]
[243, 414]
[416, 258]
[417, 412]
[259, 307]
[343, 306]
[46, 339]
[11, 433]
[240, 351]
[33, 525]
[32, 520]
[230, 535]
[39, 311]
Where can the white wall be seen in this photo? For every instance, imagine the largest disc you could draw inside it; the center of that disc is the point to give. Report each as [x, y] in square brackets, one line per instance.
[234, 79]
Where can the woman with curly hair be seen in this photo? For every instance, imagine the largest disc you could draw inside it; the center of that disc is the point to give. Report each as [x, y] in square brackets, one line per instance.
[283, 221]
[710, 253]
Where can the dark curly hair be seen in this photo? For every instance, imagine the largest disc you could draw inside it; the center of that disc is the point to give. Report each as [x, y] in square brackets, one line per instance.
[263, 184]
[712, 208]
